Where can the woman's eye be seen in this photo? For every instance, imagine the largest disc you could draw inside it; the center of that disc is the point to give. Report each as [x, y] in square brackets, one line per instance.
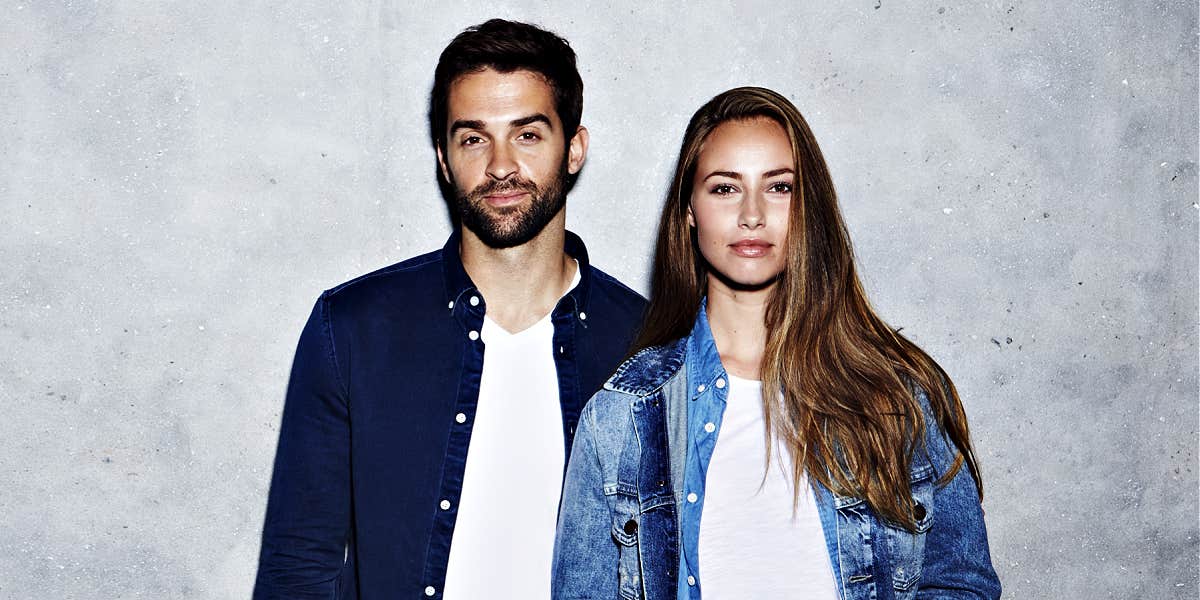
[722, 189]
[781, 188]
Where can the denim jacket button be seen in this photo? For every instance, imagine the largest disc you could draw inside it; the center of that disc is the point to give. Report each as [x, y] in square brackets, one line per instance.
[919, 511]
[630, 527]
[691, 580]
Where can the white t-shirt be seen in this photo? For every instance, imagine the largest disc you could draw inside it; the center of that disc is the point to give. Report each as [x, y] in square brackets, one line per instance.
[751, 544]
[503, 539]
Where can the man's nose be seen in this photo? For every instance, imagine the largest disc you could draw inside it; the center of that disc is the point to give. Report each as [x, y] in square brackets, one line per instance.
[501, 166]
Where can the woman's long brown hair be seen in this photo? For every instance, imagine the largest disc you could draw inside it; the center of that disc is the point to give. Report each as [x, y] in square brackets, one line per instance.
[848, 413]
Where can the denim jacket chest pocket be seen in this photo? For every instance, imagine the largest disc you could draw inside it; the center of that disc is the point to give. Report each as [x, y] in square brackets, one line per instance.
[872, 549]
[643, 506]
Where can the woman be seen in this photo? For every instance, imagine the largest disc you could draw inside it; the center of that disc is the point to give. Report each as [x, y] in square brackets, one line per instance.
[846, 473]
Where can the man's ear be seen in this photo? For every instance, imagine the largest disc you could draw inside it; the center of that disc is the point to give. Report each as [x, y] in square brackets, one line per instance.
[577, 150]
[442, 165]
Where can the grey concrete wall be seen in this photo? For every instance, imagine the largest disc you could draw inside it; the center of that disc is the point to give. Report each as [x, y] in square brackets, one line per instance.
[179, 180]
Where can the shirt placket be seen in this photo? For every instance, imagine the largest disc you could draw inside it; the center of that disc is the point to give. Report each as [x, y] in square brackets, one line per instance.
[468, 309]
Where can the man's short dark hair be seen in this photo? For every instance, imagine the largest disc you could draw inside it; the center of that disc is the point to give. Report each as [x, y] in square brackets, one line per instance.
[508, 46]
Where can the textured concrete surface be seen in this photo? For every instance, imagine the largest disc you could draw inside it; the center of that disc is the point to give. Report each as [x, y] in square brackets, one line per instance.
[178, 181]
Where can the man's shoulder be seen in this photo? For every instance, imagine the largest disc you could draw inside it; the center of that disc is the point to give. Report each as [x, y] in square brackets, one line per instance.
[615, 293]
[410, 279]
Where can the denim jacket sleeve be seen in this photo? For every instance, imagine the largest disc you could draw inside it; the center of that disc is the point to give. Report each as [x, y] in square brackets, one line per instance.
[957, 563]
[585, 557]
[308, 509]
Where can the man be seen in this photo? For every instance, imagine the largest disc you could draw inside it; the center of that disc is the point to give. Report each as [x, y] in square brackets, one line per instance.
[432, 403]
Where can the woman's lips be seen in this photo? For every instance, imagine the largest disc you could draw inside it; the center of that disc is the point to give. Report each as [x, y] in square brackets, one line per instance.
[751, 248]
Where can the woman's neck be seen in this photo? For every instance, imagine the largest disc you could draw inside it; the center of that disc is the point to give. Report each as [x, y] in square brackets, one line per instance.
[736, 318]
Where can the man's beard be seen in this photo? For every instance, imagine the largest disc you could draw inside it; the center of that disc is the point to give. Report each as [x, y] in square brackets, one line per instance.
[511, 225]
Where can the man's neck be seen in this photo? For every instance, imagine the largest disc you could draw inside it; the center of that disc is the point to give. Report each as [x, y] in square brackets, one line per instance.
[521, 284]
[736, 319]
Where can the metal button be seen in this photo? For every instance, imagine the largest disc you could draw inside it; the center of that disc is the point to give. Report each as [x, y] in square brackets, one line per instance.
[919, 512]
[460, 418]
[429, 590]
[692, 497]
[691, 580]
[445, 504]
[474, 300]
[721, 382]
[474, 335]
[630, 527]
[709, 427]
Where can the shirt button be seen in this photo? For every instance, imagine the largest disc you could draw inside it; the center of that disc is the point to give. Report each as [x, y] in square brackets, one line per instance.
[691, 580]
[429, 590]
[709, 427]
[474, 335]
[692, 497]
[474, 300]
[451, 305]
[700, 388]
[445, 504]
[582, 316]
[721, 383]
[460, 418]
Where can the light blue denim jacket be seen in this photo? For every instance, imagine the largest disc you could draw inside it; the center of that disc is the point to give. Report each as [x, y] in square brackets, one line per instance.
[627, 529]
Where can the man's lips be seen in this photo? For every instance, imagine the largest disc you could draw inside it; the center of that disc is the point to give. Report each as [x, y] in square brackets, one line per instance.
[505, 198]
[750, 248]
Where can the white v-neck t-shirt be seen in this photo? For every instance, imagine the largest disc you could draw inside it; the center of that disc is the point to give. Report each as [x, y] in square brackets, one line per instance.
[503, 541]
[751, 543]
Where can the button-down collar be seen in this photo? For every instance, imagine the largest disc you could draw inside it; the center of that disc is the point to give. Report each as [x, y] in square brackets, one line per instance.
[462, 295]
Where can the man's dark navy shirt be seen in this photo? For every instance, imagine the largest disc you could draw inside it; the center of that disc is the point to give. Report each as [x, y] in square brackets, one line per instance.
[378, 418]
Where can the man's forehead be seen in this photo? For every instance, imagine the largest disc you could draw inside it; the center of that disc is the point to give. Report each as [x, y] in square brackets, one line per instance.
[492, 96]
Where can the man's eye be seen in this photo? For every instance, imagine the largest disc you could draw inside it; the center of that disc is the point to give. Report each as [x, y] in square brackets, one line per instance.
[528, 136]
[471, 140]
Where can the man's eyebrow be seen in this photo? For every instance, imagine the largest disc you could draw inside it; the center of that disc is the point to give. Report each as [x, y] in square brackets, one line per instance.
[534, 118]
[464, 124]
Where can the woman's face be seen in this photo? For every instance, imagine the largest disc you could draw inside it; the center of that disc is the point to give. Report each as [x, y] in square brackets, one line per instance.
[741, 194]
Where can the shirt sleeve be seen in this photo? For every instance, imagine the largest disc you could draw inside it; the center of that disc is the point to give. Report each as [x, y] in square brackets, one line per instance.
[958, 563]
[307, 524]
